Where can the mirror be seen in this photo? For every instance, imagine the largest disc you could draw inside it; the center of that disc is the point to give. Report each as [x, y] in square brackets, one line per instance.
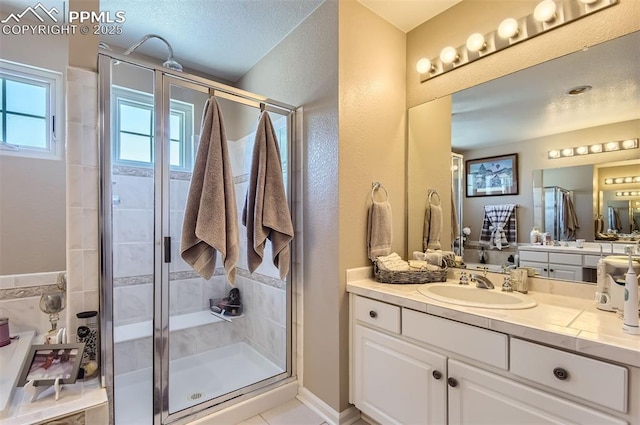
[529, 113]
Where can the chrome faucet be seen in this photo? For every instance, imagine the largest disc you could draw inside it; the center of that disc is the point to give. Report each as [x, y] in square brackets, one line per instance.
[482, 282]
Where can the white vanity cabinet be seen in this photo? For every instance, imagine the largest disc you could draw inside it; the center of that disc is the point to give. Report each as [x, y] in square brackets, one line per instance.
[409, 367]
[555, 265]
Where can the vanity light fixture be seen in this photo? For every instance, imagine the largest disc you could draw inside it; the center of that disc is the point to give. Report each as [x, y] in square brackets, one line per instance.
[547, 15]
[622, 180]
[595, 148]
[545, 11]
[629, 193]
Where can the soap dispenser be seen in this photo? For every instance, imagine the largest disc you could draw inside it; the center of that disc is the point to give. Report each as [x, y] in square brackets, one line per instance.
[630, 323]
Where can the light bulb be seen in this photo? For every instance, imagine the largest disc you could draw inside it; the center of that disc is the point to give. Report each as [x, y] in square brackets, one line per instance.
[629, 143]
[475, 42]
[448, 55]
[608, 181]
[628, 179]
[636, 179]
[423, 65]
[567, 152]
[596, 148]
[554, 154]
[508, 28]
[545, 11]
[582, 150]
[619, 180]
[611, 146]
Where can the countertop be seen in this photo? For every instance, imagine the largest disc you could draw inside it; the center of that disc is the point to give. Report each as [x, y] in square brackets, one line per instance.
[565, 317]
[591, 248]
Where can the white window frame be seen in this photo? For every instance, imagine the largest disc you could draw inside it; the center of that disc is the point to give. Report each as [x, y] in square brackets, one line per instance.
[54, 117]
[129, 96]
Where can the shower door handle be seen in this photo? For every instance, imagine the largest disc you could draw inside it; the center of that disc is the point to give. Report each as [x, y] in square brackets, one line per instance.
[167, 249]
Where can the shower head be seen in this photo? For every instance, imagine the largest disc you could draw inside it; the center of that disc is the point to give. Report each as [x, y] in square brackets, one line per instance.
[170, 63]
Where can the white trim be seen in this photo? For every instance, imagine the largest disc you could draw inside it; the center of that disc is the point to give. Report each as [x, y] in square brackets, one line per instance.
[326, 412]
[53, 82]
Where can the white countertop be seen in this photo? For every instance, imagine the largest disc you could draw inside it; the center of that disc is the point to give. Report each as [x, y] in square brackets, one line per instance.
[592, 248]
[565, 317]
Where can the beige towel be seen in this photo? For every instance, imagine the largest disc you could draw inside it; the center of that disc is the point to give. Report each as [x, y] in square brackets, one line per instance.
[379, 230]
[211, 217]
[266, 210]
[432, 222]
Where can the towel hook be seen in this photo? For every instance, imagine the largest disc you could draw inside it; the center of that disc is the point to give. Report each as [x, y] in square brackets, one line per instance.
[375, 186]
[263, 107]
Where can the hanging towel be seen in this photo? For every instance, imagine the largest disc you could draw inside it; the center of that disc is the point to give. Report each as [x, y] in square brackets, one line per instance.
[266, 210]
[455, 229]
[432, 222]
[499, 225]
[599, 224]
[569, 217]
[379, 229]
[211, 217]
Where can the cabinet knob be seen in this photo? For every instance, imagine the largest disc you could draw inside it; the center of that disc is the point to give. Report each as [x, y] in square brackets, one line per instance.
[545, 270]
[551, 270]
[437, 374]
[452, 382]
[561, 373]
[373, 314]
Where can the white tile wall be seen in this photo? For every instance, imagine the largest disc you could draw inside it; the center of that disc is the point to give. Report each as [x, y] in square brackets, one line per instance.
[82, 194]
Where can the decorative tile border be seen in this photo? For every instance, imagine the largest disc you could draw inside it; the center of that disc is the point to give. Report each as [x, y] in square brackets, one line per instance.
[24, 292]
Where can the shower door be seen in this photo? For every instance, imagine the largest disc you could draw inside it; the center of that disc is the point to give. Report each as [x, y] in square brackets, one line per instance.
[170, 356]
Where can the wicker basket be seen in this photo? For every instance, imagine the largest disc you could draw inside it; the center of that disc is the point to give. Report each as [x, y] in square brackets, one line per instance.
[417, 276]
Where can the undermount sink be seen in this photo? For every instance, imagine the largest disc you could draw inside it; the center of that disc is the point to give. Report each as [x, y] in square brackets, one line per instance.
[471, 296]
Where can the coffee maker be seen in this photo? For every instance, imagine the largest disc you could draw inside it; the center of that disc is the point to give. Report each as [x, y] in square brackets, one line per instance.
[611, 281]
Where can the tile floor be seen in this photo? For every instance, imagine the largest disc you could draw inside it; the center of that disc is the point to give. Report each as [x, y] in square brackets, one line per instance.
[291, 413]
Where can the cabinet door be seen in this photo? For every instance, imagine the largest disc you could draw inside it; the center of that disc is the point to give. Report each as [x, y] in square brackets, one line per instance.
[541, 268]
[479, 397]
[397, 382]
[565, 272]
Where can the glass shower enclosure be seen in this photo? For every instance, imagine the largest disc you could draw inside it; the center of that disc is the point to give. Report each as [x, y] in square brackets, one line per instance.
[166, 356]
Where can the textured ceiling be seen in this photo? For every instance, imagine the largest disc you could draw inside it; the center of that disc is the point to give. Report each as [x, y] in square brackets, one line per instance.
[533, 103]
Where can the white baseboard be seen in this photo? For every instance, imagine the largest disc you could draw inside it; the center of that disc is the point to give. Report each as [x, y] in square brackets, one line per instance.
[333, 417]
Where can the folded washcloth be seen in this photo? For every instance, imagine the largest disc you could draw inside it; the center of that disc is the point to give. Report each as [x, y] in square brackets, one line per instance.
[211, 218]
[266, 209]
[379, 230]
[392, 262]
[422, 265]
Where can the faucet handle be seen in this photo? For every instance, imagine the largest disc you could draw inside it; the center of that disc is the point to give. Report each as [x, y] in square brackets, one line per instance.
[463, 279]
[506, 285]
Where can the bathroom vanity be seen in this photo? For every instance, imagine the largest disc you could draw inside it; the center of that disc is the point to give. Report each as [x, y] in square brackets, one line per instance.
[415, 360]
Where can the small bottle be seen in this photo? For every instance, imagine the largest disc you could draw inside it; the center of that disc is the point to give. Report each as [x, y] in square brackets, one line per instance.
[534, 236]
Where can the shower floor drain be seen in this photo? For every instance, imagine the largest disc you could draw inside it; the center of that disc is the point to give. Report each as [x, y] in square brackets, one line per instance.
[195, 396]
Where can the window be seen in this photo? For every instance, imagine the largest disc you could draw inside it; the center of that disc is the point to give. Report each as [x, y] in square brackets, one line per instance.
[29, 104]
[134, 130]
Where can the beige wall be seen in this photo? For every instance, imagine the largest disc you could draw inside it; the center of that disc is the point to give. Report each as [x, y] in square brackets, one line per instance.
[372, 142]
[533, 156]
[302, 71]
[32, 191]
[83, 48]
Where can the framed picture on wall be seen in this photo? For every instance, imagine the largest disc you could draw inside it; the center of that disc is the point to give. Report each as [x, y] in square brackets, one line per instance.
[492, 176]
[48, 362]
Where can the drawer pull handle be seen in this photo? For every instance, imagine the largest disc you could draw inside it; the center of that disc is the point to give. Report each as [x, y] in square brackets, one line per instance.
[373, 314]
[452, 382]
[561, 373]
[437, 374]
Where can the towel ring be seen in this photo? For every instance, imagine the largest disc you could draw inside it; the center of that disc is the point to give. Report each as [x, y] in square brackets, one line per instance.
[375, 186]
[433, 192]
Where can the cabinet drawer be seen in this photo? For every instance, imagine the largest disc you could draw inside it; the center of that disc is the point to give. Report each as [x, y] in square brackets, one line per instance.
[572, 259]
[542, 257]
[379, 314]
[590, 379]
[475, 343]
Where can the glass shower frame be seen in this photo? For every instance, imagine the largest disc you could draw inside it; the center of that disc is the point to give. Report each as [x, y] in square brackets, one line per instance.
[163, 80]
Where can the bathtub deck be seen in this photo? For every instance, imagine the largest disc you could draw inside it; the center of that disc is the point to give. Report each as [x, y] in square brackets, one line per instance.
[194, 379]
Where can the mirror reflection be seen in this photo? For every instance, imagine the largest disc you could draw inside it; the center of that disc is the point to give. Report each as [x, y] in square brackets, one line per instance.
[530, 113]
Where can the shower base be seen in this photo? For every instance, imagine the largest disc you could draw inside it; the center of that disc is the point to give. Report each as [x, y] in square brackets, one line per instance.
[193, 380]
